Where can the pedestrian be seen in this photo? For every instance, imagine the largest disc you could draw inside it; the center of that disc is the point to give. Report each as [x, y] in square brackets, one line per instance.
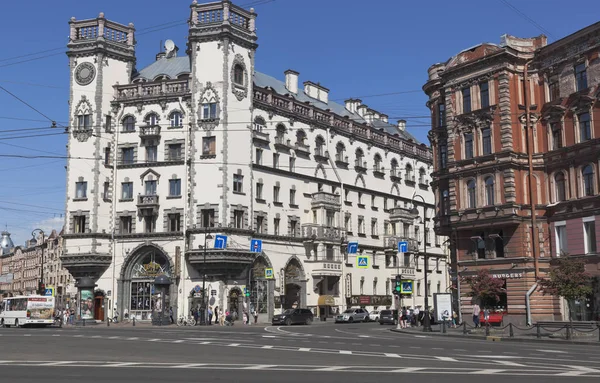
[210, 314]
[416, 314]
[476, 312]
[72, 317]
[195, 315]
[255, 314]
[115, 316]
[216, 312]
[245, 318]
[454, 319]
[171, 314]
[221, 317]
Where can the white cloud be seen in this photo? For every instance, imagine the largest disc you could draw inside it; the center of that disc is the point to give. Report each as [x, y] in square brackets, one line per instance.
[50, 224]
[20, 234]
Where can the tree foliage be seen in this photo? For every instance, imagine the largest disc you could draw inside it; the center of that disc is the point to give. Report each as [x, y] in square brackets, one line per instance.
[484, 287]
[567, 279]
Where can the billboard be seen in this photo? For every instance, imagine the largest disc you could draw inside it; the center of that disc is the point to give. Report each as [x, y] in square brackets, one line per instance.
[442, 303]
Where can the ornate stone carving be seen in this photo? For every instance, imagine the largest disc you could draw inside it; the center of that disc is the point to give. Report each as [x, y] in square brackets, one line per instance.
[209, 95]
[85, 73]
[239, 90]
[83, 131]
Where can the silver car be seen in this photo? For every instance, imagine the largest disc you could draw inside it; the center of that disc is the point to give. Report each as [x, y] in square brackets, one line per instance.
[353, 315]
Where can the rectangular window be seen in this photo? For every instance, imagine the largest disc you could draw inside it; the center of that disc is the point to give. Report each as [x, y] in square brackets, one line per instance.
[553, 88]
[466, 96]
[208, 217]
[468, 145]
[150, 187]
[149, 224]
[556, 136]
[374, 231]
[589, 230]
[443, 156]
[292, 196]
[427, 237]
[484, 94]
[127, 154]
[441, 115]
[585, 131]
[361, 225]
[259, 154]
[209, 146]
[259, 190]
[79, 222]
[106, 156]
[175, 152]
[127, 190]
[151, 153]
[174, 222]
[175, 188]
[238, 219]
[106, 190]
[292, 164]
[580, 77]
[347, 225]
[293, 227]
[275, 193]
[107, 124]
[561, 240]
[418, 289]
[81, 190]
[276, 160]
[209, 111]
[486, 140]
[125, 225]
[238, 183]
[84, 122]
[276, 223]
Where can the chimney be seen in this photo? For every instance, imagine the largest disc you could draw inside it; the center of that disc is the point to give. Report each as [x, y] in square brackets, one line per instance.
[316, 91]
[402, 125]
[362, 109]
[383, 117]
[352, 104]
[291, 81]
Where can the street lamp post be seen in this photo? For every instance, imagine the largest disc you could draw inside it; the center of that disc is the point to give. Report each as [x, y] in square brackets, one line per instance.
[33, 242]
[207, 236]
[415, 211]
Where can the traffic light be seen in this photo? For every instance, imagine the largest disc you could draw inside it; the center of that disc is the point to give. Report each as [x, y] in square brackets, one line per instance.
[246, 292]
[397, 285]
[41, 288]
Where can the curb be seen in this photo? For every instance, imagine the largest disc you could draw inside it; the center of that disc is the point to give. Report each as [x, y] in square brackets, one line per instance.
[493, 338]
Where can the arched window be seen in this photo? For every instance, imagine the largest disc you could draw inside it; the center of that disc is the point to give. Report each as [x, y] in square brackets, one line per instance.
[422, 176]
[259, 124]
[152, 119]
[176, 120]
[319, 145]
[129, 124]
[409, 173]
[490, 196]
[471, 194]
[588, 180]
[238, 75]
[377, 163]
[301, 138]
[394, 168]
[359, 158]
[280, 135]
[445, 202]
[560, 187]
[340, 152]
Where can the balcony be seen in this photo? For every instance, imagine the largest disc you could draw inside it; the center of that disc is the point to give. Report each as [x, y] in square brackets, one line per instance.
[302, 149]
[282, 143]
[395, 176]
[260, 137]
[360, 166]
[313, 231]
[150, 131]
[326, 267]
[324, 199]
[148, 204]
[131, 92]
[401, 214]
[342, 162]
[378, 171]
[410, 179]
[321, 155]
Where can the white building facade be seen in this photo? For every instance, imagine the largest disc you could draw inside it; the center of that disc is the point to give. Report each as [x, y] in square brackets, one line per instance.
[164, 159]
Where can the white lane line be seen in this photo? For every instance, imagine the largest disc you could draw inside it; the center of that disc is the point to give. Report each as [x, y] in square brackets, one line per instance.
[191, 365]
[421, 336]
[446, 359]
[120, 364]
[437, 348]
[414, 347]
[267, 346]
[333, 368]
[178, 341]
[553, 351]
[233, 344]
[133, 338]
[509, 363]
[55, 363]
[408, 369]
[78, 336]
[345, 352]
[153, 340]
[205, 343]
[26, 334]
[56, 335]
[390, 355]
[269, 336]
[96, 336]
[304, 349]
[260, 367]
[459, 349]
[364, 336]
[487, 372]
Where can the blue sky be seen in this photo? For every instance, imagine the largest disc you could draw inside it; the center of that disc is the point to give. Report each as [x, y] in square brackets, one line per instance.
[355, 48]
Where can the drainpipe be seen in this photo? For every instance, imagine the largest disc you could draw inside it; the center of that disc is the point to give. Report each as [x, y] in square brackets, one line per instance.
[115, 298]
[528, 304]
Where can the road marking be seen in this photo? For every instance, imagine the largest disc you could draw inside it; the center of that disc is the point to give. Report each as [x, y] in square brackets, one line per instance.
[267, 346]
[437, 348]
[414, 347]
[233, 344]
[153, 340]
[304, 349]
[113, 337]
[364, 336]
[133, 338]
[26, 334]
[96, 336]
[192, 365]
[56, 335]
[493, 356]
[408, 369]
[269, 336]
[579, 370]
[487, 372]
[553, 351]
[446, 359]
[333, 368]
[345, 352]
[56, 363]
[178, 341]
[459, 349]
[260, 367]
[389, 355]
[509, 363]
[421, 336]
[124, 364]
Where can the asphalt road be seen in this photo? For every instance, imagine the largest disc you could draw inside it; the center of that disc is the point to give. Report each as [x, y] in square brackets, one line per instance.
[361, 352]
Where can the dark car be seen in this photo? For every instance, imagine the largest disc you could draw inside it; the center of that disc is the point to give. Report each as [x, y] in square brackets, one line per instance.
[294, 316]
[388, 317]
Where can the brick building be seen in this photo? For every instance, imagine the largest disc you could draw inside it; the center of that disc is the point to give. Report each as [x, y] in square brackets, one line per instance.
[505, 117]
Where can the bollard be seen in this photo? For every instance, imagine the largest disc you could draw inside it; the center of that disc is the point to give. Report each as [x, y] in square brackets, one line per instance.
[83, 322]
[134, 321]
[444, 327]
[599, 333]
[107, 322]
[465, 328]
[539, 331]
[511, 333]
[569, 329]
[487, 329]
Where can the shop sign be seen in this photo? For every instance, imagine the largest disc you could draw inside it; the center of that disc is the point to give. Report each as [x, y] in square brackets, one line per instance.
[370, 300]
[508, 275]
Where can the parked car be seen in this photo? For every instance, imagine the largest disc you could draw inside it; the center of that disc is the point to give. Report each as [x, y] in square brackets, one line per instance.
[293, 316]
[374, 316]
[388, 317]
[353, 315]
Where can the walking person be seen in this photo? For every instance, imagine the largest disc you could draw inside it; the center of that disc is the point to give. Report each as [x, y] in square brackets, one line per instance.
[171, 314]
[245, 318]
[255, 314]
[476, 312]
[417, 316]
[217, 314]
[195, 315]
[210, 315]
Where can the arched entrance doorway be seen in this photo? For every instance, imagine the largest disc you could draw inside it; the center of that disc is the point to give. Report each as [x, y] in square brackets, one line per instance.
[99, 304]
[259, 290]
[295, 285]
[138, 292]
[233, 301]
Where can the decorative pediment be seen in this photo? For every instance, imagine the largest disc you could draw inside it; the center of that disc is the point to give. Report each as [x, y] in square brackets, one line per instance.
[149, 172]
[476, 119]
[552, 113]
[82, 130]
[239, 90]
[580, 102]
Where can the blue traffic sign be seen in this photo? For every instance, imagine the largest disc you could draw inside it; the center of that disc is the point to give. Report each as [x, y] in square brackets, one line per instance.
[403, 247]
[197, 288]
[352, 247]
[256, 246]
[49, 291]
[220, 241]
[407, 287]
[362, 262]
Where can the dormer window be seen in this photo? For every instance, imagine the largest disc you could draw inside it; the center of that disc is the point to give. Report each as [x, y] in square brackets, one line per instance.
[238, 75]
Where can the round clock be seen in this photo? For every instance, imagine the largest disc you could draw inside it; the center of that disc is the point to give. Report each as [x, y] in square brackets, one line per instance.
[85, 73]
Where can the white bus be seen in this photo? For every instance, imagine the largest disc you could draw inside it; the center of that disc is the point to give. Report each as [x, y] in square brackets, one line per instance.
[27, 310]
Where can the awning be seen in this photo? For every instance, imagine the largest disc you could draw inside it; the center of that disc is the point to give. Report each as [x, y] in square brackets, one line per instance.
[326, 300]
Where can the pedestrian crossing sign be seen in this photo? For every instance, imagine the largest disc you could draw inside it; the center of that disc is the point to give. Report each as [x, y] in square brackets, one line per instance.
[362, 262]
[269, 273]
[406, 287]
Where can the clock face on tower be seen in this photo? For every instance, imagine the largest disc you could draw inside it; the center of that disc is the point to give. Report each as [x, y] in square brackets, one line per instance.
[85, 73]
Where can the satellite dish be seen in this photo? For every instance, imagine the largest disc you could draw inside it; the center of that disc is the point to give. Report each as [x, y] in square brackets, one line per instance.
[169, 47]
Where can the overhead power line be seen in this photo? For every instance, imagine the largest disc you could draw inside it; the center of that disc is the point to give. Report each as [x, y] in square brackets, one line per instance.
[29, 105]
[523, 15]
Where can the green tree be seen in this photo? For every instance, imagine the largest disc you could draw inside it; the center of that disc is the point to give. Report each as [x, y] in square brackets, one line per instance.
[484, 287]
[567, 278]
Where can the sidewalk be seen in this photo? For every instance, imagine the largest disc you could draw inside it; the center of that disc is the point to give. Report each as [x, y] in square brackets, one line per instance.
[520, 334]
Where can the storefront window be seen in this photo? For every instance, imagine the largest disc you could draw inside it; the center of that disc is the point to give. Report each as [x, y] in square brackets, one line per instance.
[144, 296]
